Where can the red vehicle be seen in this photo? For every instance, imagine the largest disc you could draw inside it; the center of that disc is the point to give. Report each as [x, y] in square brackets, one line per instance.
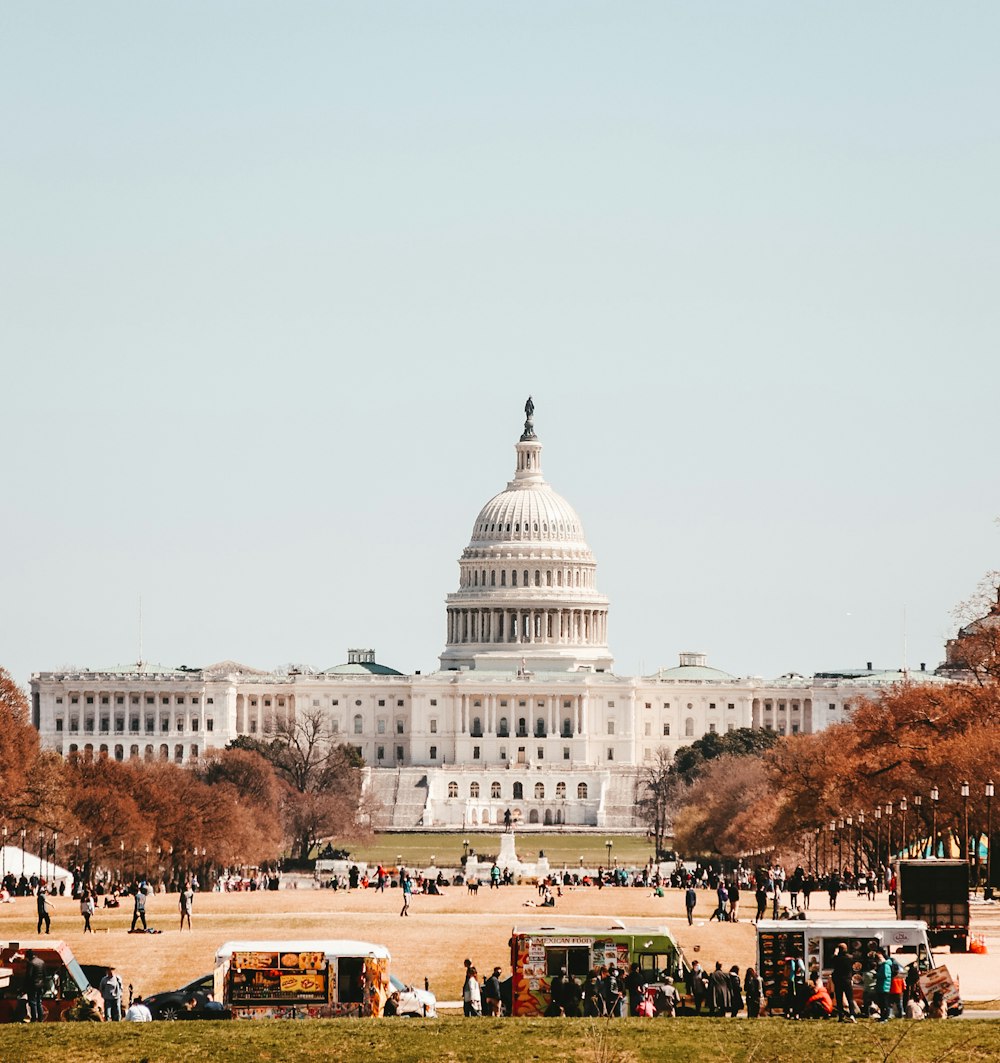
[65, 981]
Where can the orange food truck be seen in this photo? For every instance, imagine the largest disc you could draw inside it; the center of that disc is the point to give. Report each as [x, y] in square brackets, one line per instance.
[312, 979]
[65, 981]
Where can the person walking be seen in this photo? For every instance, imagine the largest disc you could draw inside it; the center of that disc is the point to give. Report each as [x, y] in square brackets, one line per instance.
[36, 985]
[407, 891]
[719, 995]
[44, 905]
[111, 992]
[734, 902]
[185, 903]
[761, 897]
[491, 993]
[690, 900]
[735, 991]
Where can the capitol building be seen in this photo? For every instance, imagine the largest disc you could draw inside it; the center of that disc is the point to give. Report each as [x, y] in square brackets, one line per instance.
[525, 712]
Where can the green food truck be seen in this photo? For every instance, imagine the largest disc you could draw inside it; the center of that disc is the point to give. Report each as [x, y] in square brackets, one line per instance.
[537, 954]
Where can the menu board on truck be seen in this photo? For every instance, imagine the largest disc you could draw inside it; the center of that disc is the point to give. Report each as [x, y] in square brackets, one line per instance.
[288, 977]
[775, 948]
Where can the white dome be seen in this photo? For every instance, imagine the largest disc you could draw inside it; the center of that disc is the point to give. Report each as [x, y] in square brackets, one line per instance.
[527, 511]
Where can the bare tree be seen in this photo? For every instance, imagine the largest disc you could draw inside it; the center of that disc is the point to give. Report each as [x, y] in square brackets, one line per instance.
[654, 790]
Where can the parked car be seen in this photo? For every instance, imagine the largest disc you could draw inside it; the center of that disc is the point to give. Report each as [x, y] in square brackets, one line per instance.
[174, 1004]
[414, 1003]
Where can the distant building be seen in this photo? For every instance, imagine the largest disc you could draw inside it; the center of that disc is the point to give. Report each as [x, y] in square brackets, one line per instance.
[525, 713]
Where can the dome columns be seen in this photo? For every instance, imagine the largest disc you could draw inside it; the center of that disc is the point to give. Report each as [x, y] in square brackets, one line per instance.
[488, 625]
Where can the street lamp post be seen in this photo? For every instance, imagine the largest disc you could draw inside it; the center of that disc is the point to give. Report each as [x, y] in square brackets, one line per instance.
[861, 834]
[465, 847]
[934, 803]
[3, 855]
[851, 841]
[816, 853]
[24, 833]
[888, 833]
[55, 844]
[989, 792]
[917, 802]
[608, 844]
[965, 821]
[878, 837]
[829, 845]
[903, 841]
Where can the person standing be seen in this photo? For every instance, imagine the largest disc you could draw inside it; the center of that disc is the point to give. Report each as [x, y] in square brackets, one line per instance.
[843, 979]
[139, 911]
[185, 903]
[697, 985]
[472, 995]
[753, 990]
[690, 900]
[720, 997]
[407, 891]
[734, 902]
[761, 898]
[111, 991]
[87, 910]
[491, 993]
[43, 910]
[614, 994]
[36, 985]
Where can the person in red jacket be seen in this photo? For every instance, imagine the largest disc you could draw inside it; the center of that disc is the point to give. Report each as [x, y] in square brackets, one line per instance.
[819, 1004]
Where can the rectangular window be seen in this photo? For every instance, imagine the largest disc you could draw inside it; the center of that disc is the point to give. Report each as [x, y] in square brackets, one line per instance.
[541, 754]
[434, 727]
[194, 701]
[336, 701]
[119, 701]
[150, 725]
[730, 706]
[611, 753]
[135, 699]
[565, 752]
[475, 752]
[434, 752]
[164, 701]
[399, 727]
[666, 729]
[399, 704]
[649, 729]
[59, 725]
[253, 727]
[611, 727]
[647, 754]
[399, 752]
[74, 724]
[315, 703]
[711, 704]
[164, 724]
[795, 730]
[105, 723]
[104, 700]
[194, 725]
[150, 700]
[567, 704]
[381, 727]
[119, 725]
[503, 753]
[59, 701]
[611, 704]
[380, 752]
[133, 724]
[433, 702]
[88, 725]
[211, 701]
[210, 724]
[90, 701]
[74, 701]
[833, 707]
[180, 701]
[334, 727]
[649, 704]
[503, 704]
[180, 725]
[711, 728]
[381, 703]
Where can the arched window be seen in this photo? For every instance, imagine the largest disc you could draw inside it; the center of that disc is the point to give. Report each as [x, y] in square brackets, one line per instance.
[453, 789]
[494, 790]
[502, 728]
[581, 791]
[525, 577]
[148, 753]
[357, 724]
[538, 578]
[513, 578]
[518, 792]
[493, 577]
[560, 790]
[559, 577]
[548, 817]
[484, 577]
[688, 728]
[503, 578]
[539, 728]
[178, 753]
[567, 729]
[533, 816]
[473, 789]
[477, 727]
[539, 791]
[475, 579]
[548, 578]
[119, 753]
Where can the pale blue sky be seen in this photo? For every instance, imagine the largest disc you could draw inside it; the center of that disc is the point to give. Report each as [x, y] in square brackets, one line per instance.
[277, 278]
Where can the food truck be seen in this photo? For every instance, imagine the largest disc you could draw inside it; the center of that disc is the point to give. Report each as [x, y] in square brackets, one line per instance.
[302, 979]
[538, 953]
[65, 981]
[814, 942]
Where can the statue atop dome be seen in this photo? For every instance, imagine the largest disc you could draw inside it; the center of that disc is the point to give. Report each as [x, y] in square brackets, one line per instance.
[529, 422]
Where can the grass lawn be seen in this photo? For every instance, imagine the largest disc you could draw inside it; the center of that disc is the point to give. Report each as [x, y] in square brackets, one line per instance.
[561, 849]
[583, 1040]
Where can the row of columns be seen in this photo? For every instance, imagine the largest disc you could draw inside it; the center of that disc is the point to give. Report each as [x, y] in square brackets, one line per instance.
[543, 626]
[261, 714]
[781, 712]
[490, 712]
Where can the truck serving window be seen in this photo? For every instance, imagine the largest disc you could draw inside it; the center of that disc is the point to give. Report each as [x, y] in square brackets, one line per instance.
[575, 959]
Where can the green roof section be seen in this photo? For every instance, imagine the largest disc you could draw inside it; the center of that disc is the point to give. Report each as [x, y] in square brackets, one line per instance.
[361, 662]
